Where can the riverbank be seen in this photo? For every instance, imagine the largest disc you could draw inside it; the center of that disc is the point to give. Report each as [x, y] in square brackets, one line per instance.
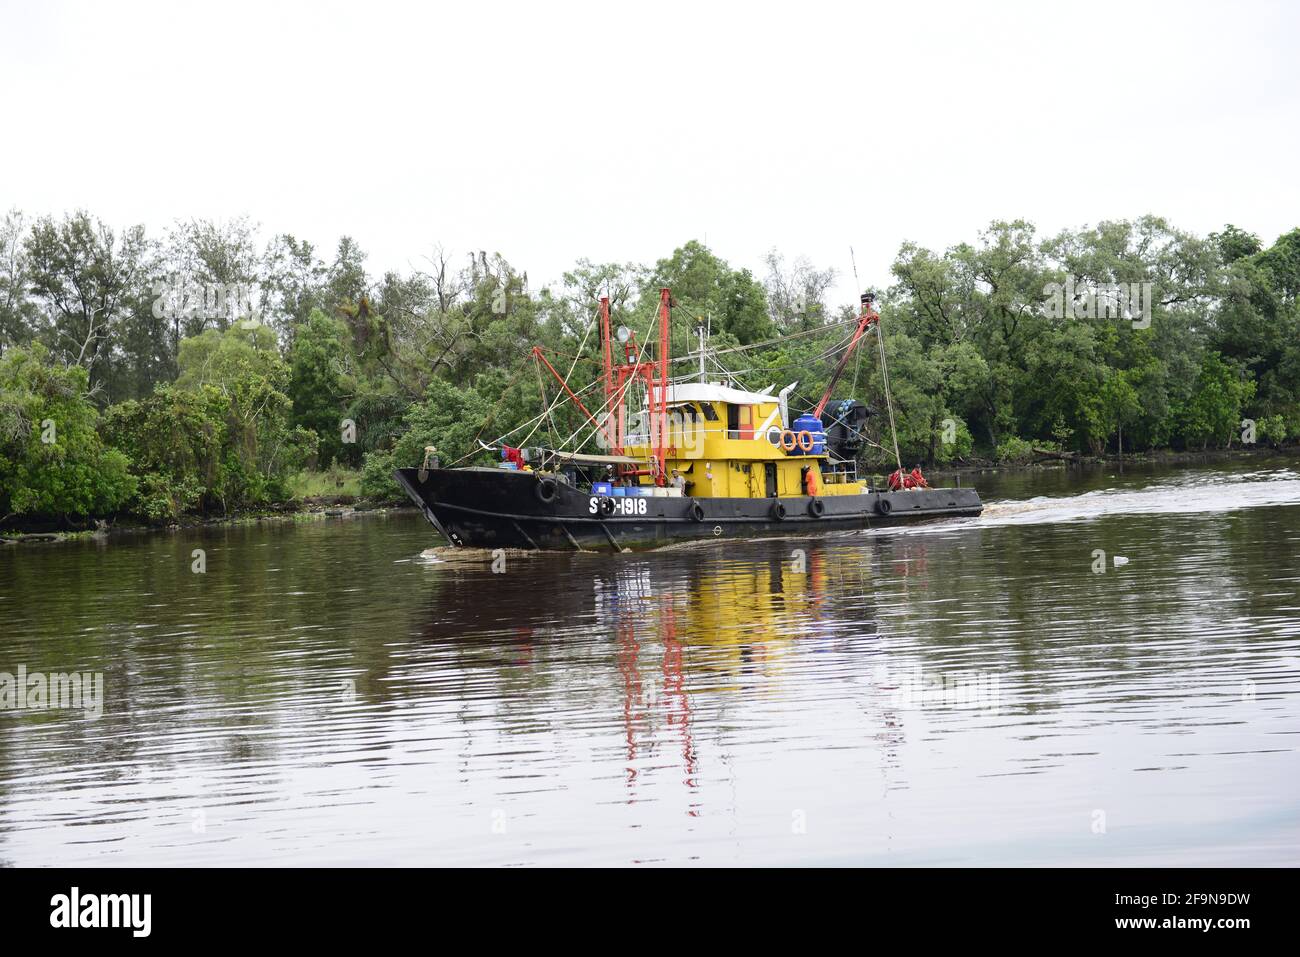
[302, 510]
[329, 493]
[1158, 457]
[313, 507]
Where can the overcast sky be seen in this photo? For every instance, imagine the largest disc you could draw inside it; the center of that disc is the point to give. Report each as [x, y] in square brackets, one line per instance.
[549, 131]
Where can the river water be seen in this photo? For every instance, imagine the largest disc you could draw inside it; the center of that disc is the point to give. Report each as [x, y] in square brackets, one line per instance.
[1104, 668]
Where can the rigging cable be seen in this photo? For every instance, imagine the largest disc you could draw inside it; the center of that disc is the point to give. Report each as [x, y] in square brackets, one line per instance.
[519, 428]
[541, 390]
[884, 368]
[889, 401]
[619, 393]
[572, 366]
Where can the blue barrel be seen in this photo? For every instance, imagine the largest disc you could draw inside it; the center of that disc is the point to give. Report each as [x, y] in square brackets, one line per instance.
[812, 425]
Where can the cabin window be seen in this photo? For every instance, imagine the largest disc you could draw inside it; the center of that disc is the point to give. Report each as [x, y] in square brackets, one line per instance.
[710, 412]
[740, 421]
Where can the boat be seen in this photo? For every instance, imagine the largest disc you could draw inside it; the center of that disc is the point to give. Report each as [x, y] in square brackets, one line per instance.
[695, 461]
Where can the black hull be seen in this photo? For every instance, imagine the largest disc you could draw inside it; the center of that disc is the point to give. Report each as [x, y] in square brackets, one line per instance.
[501, 508]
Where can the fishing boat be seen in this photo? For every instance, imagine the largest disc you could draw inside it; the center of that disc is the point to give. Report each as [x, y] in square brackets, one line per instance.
[678, 461]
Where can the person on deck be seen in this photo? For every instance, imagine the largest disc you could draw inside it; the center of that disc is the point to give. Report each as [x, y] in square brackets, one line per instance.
[900, 482]
[515, 457]
[679, 481]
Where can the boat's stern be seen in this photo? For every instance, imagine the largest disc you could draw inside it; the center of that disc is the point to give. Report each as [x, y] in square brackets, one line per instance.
[918, 503]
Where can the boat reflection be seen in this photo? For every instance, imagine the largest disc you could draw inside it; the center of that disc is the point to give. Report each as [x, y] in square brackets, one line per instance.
[657, 637]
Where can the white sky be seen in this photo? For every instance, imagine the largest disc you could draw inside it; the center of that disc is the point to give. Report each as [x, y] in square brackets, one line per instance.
[619, 131]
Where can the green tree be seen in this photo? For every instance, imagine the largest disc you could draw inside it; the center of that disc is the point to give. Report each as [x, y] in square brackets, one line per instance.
[1235, 243]
[18, 312]
[449, 419]
[175, 443]
[318, 387]
[221, 358]
[733, 302]
[52, 460]
[90, 280]
[293, 283]
[244, 381]
[346, 283]
[796, 296]
[1213, 412]
[1116, 405]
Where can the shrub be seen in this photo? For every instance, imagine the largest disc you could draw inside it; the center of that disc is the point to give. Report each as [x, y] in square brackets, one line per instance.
[1014, 450]
[53, 462]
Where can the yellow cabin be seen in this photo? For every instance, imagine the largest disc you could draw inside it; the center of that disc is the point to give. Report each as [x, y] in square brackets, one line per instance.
[728, 443]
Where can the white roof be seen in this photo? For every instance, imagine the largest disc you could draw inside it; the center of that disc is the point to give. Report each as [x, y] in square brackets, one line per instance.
[712, 392]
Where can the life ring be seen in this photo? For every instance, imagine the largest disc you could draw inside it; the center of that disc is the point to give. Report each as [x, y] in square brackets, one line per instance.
[805, 446]
[546, 490]
[778, 510]
[696, 512]
[884, 505]
[816, 508]
[607, 506]
[788, 441]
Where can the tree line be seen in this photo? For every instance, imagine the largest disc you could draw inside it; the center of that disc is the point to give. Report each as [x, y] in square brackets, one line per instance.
[198, 370]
